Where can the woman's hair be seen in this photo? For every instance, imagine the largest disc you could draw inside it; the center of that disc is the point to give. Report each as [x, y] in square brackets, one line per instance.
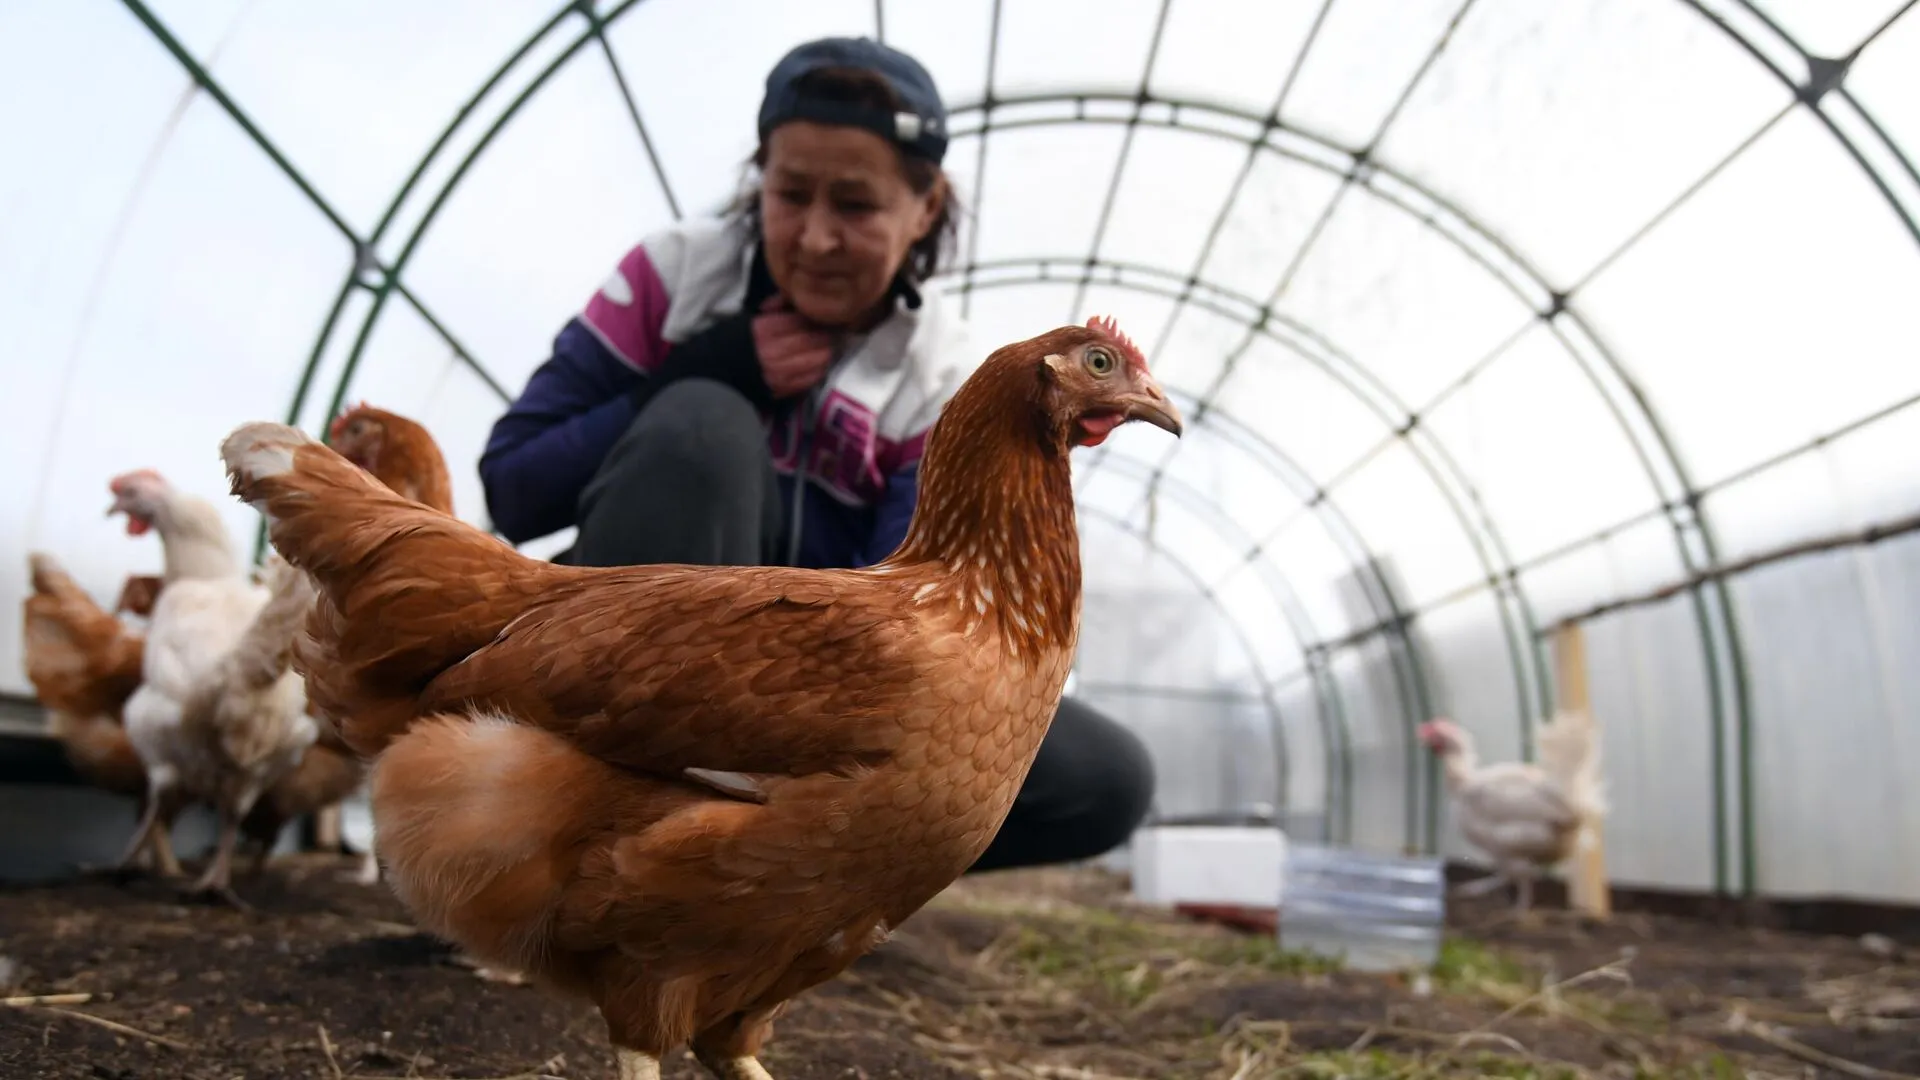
[855, 86]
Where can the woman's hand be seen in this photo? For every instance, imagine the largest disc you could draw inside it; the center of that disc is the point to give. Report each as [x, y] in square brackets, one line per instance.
[794, 355]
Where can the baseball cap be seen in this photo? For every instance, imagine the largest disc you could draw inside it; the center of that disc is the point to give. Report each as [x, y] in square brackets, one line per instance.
[919, 128]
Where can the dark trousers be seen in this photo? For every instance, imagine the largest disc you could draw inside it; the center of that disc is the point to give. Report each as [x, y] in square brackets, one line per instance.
[691, 482]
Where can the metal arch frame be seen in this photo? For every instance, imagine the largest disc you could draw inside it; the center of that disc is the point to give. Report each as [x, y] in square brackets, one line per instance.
[1693, 537]
[1693, 529]
[1278, 724]
[1329, 703]
[1528, 667]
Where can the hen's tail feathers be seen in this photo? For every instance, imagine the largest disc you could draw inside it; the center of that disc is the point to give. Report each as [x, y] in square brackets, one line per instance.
[404, 591]
[1569, 751]
[49, 577]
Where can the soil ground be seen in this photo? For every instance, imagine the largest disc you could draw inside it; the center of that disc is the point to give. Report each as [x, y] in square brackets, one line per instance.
[1033, 975]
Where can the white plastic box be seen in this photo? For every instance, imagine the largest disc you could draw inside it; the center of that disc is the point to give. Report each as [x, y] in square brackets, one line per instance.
[1208, 864]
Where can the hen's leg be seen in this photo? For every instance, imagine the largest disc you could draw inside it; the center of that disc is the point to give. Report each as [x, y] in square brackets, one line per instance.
[369, 872]
[635, 1065]
[728, 1049]
[161, 844]
[152, 820]
[218, 878]
[1523, 895]
[1482, 886]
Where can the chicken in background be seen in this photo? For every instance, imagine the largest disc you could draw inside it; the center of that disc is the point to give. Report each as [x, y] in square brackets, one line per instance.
[1527, 817]
[84, 663]
[403, 455]
[138, 594]
[397, 451]
[219, 716]
[690, 793]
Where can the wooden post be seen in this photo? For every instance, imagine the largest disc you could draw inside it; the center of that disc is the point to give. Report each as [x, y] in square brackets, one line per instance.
[1587, 889]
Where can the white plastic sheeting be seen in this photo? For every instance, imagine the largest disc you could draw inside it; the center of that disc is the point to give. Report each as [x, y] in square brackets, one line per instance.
[1501, 285]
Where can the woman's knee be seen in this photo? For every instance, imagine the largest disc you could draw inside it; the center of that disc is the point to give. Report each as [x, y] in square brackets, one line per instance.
[1118, 775]
[697, 426]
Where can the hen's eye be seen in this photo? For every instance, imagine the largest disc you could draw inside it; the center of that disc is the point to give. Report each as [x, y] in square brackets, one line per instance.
[1100, 361]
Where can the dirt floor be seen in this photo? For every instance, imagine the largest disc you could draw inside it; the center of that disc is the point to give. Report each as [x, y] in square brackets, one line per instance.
[1039, 975]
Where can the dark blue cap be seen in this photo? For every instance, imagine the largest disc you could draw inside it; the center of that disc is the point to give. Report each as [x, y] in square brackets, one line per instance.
[920, 127]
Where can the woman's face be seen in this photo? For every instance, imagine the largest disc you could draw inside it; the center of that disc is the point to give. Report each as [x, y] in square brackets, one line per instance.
[838, 218]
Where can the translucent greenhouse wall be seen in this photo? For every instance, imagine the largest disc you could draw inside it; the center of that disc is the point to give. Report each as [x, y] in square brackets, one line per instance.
[1487, 314]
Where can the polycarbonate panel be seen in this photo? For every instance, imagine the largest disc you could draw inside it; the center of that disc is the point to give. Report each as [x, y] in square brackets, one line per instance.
[407, 369]
[1196, 540]
[566, 190]
[1259, 607]
[1093, 45]
[1272, 216]
[514, 82]
[1631, 560]
[1873, 477]
[1398, 512]
[1223, 462]
[200, 324]
[1230, 52]
[353, 93]
[69, 177]
[1714, 310]
[1198, 348]
[1310, 771]
[1645, 96]
[1295, 401]
[1042, 191]
[1313, 559]
[1647, 684]
[1380, 748]
[1831, 28]
[1365, 57]
[1470, 657]
[1004, 314]
[1550, 461]
[950, 40]
[1387, 290]
[1172, 188]
[1796, 500]
[313, 416]
[1829, 644]
[698, 70]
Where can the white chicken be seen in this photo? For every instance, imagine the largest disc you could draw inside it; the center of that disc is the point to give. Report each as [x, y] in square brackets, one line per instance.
[1527, 817]
[219, 716]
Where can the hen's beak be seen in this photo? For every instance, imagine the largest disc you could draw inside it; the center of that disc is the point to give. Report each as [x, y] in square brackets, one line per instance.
[1150, 403]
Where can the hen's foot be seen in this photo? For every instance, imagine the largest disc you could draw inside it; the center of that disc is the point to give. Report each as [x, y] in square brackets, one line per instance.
[369, 872]
[740, 1068]
[220, 893]
[479, 968]
[1479, 887]
[635, 1065]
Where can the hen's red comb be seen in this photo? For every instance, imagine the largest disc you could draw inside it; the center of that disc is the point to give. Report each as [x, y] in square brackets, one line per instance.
[1106, 325]
[118, 485]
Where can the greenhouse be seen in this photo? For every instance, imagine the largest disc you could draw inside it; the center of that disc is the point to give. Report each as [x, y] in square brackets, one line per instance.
[1537, 372]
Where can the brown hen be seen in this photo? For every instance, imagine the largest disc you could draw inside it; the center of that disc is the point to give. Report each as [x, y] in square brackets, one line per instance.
[690, 793]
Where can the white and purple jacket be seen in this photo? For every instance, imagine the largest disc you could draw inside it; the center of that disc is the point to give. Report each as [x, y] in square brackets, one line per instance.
[679, 304]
